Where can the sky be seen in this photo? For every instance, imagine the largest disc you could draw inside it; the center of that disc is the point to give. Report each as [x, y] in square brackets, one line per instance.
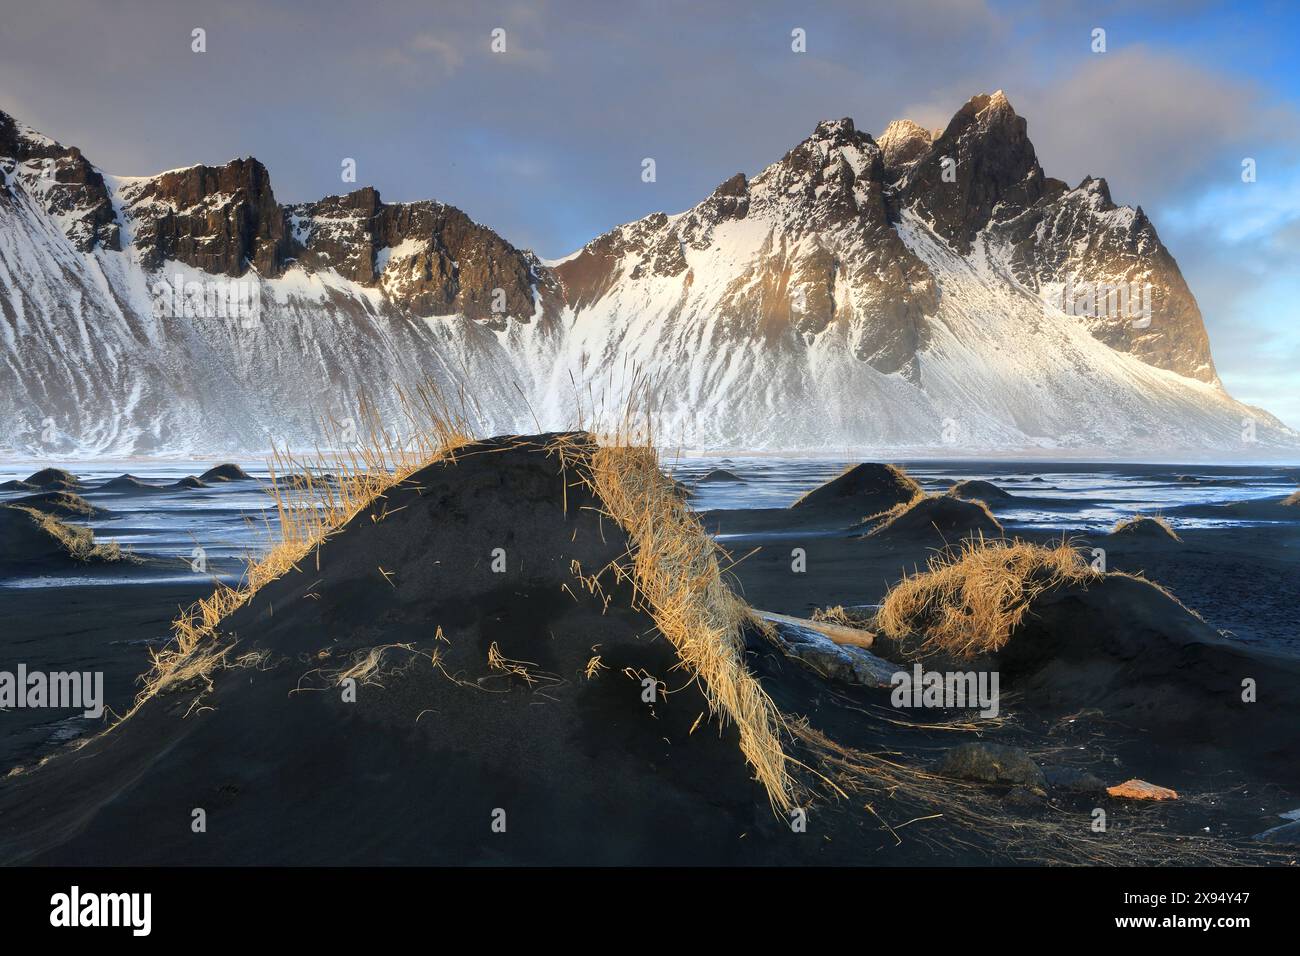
[544, 142]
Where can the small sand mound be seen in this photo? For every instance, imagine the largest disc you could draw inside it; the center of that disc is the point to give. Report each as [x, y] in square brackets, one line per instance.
[17, 485]
[189, 481]
[53, 479]
[980, 490]
[1064, 638]
[128, 484]
[868, 488]
[61, 504]
[33, 540]
[938, 516]
[225, 472]
[1146, 526]
[720, 475]
[1128, 648]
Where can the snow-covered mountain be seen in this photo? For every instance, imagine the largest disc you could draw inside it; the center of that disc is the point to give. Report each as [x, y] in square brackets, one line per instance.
[923, 290]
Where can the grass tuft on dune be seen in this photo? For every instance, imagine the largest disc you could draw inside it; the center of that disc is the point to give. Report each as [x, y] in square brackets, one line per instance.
[970, 599]
[308, 511]
[1154, 525]
[38, 534]
[675, 570]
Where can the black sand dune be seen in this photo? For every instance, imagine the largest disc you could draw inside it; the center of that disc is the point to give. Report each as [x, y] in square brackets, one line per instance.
[32, 540]
[1127, 648]
[1146, 528]
[53, 479]
[17, 485]
[1257, 509]
[129, 485]
[835, 505]
[187, 483]
[940, 517]
[413, 771]
[720, 475]
[61, 504]
[865, 489]
[519, 715]
[984, 491]
[226, 472]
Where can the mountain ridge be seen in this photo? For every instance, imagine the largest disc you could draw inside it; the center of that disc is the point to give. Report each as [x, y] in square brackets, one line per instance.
[814, 281]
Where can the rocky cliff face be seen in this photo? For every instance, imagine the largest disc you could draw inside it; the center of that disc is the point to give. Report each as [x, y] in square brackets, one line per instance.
[70, 190]
[928, 288]
[430, 258]
[426, 258]
[223, 220]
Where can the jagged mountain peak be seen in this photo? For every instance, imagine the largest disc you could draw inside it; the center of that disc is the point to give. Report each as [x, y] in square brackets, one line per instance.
[854, 292]
[981, 166]
[901, 143]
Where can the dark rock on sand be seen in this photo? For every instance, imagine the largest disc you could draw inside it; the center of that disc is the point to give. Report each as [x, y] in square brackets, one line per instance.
[994, 764]
[1072, 780]
[225, 472]
[1287, 833]
[868, 489]
[1023, 799]
[850, 665]
[53, 479]
[61, 504]
[982, 490]
[719, 475]
[939, 516]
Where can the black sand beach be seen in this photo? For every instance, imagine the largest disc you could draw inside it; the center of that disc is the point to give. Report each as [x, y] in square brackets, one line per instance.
[512, 692]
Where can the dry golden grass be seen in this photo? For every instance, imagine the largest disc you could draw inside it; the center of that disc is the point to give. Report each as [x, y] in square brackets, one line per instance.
[78, 541]
[675, 569]
[307, 511]
[1128, 525]
[1292, 499]
[969, 600]
[960, 819]
[844, 617]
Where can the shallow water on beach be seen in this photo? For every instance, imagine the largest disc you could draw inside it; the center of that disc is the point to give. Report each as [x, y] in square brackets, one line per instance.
[233, 520]
[1055, 496]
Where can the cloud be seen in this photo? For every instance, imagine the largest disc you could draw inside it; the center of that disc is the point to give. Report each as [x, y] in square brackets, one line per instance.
[1152, 123]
